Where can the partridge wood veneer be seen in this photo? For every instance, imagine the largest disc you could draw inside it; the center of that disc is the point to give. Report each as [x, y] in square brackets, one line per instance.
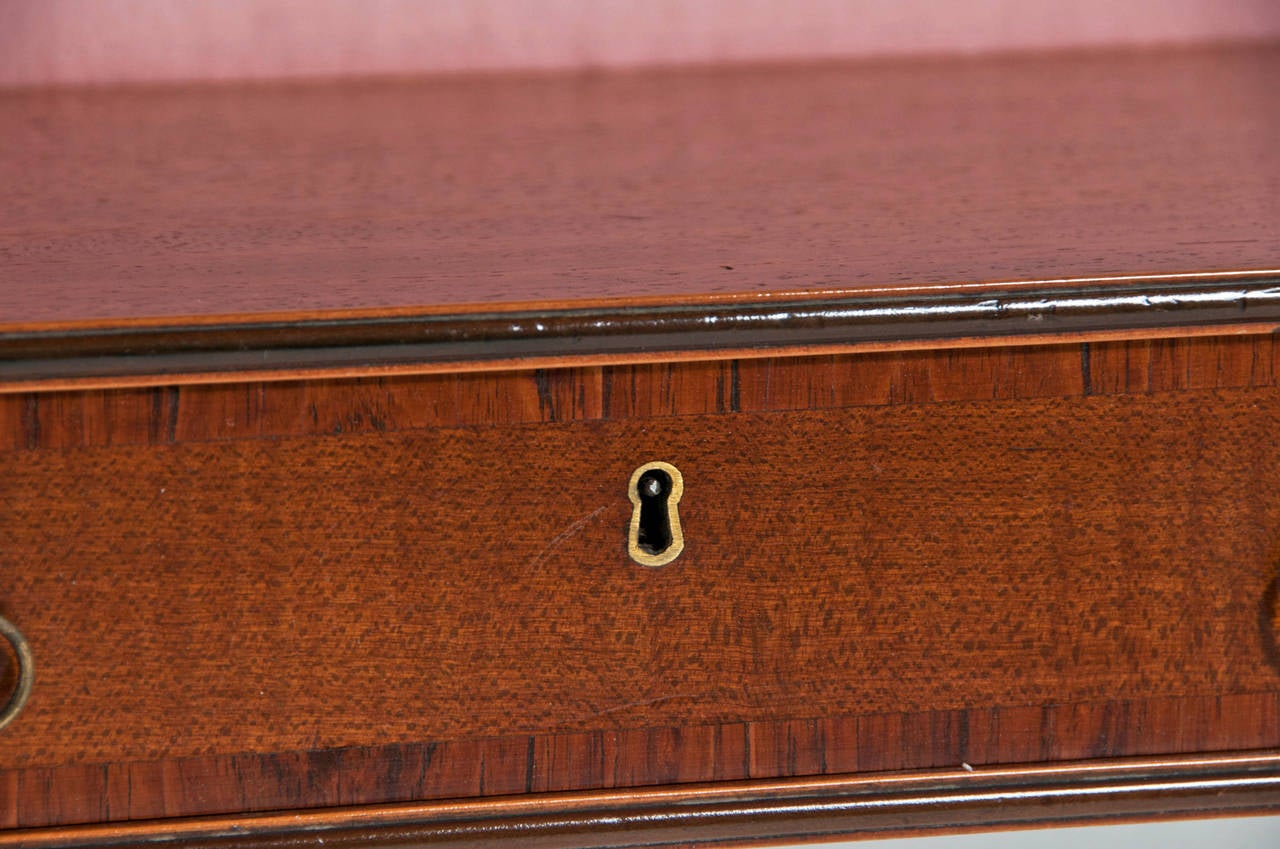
[320, 407]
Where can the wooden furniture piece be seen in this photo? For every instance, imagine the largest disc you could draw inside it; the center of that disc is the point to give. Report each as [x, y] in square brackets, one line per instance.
[323, 406]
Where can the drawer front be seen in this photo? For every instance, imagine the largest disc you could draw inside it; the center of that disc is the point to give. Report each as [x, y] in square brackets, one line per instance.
[460, 583]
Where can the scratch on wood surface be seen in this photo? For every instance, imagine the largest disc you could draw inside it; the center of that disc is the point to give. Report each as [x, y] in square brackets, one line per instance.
[558, 539]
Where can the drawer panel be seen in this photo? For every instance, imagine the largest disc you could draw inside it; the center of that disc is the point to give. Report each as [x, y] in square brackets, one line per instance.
[457, 583]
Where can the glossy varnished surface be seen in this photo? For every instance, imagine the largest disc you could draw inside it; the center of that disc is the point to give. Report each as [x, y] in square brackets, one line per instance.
[119, 205]
[978, 554]
[749, 811]
[1087, 574]
[156, 353]
[278, 596]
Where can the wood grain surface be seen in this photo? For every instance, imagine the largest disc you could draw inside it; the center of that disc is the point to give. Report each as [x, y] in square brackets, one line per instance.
[1031, 554]
[344, 591]
[274, 596]
[746, 812]
[470, 193]
[265, 347]
[203, 413]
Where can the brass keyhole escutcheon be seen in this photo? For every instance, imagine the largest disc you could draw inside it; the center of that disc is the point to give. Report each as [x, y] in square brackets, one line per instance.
[24, 672]
[655, 537]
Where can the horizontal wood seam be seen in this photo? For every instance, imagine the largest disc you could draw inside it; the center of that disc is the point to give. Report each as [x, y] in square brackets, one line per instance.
[749, 810]
[424, 343]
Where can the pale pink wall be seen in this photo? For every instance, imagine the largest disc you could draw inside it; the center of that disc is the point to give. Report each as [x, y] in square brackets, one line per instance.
[69, 41]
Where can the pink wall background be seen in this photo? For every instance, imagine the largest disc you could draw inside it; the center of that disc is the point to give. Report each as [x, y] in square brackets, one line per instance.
[75, 41]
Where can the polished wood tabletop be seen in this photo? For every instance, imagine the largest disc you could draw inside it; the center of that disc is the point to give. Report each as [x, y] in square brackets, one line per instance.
[473, 194]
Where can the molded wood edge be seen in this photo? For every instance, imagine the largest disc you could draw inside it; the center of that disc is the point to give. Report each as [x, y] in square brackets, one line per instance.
[955, 799]
[356, 345]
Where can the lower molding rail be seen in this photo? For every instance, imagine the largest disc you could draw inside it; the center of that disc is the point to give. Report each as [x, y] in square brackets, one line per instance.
[742, 812]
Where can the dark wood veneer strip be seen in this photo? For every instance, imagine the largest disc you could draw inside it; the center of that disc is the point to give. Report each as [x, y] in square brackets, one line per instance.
[747, 811]
[586, 335]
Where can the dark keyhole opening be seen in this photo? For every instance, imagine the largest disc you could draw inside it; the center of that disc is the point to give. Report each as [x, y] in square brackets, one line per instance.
[9, 671]
[655, 523]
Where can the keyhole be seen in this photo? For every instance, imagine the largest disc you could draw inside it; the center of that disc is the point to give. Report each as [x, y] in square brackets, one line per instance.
[655, 528]
[655, 537]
